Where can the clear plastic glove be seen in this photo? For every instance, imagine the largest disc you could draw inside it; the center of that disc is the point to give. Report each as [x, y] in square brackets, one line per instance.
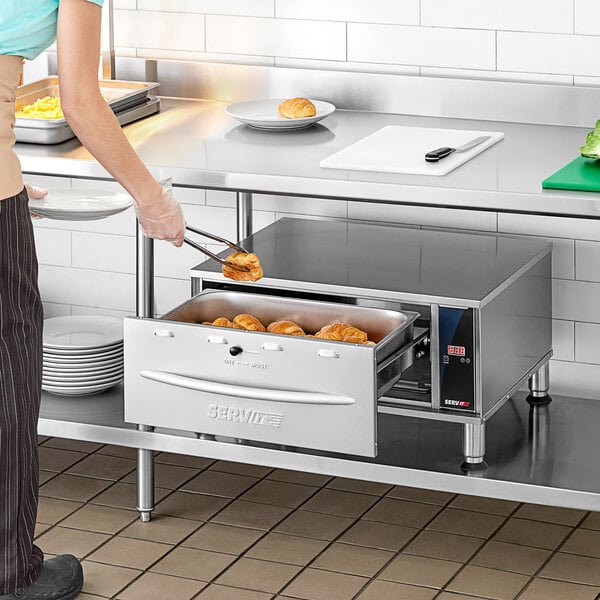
[35, 193]
[163, 219]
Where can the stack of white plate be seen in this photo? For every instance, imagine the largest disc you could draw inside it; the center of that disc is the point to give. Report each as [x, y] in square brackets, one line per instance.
[82, 354]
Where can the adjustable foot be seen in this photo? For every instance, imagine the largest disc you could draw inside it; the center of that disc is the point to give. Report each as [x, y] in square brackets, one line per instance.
[474, 469]
[539, 401]
[539, 384]
[474, 443]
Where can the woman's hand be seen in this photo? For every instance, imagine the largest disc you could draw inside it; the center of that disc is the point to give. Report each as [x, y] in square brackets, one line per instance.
[35, 193]
[162, 219]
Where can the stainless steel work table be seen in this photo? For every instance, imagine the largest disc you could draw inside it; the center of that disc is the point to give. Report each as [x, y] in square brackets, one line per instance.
[551, 456]
[197, 144]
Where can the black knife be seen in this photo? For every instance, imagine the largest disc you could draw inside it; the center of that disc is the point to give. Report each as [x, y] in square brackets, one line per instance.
[440, 153]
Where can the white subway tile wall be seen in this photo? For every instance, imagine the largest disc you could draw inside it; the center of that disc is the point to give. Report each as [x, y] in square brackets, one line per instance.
[560, 54]
[587, 17]
[557, 42]
[424, 46]
[276, 37]
[512, 15]
[357, 11]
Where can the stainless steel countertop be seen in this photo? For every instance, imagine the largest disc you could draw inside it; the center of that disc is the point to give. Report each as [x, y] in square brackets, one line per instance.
[199, 145]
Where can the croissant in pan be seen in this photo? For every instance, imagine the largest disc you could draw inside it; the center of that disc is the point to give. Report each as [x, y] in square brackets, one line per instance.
[244, 259]
[248, 322]
[297, 108]
[342, 332]
[223, 322]
[285, 327]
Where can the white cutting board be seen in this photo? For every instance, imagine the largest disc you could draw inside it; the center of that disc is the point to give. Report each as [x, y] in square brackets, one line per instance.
[399, 149]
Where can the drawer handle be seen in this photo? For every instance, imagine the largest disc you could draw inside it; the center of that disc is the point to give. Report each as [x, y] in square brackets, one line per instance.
[163, 333]
[242, 391]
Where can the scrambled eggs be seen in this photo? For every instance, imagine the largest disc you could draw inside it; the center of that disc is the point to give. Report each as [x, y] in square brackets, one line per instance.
[43, 108]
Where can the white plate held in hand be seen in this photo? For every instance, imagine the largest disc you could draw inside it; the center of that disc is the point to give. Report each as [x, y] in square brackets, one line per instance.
[80, 204]
[263, 114]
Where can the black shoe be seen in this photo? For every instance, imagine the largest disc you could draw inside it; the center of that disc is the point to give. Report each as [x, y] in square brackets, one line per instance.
[61, 579]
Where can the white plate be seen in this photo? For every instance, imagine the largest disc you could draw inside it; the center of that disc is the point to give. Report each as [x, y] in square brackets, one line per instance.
[85, 369]
[55, 215]
[81, 381]
[68, 355]
[82, 332]
[263, 114]
[83, 363]
[73, 373]
[82, 391]
[82, 384]
[80, 204]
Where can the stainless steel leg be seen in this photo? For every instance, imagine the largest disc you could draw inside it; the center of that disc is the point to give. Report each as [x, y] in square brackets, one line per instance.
[244, 215]
[145, 480]
[144, 288]
[145, 308]
[474, 443]
[539, 384]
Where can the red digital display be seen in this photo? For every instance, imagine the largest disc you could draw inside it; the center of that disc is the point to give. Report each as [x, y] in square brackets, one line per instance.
[456, 350]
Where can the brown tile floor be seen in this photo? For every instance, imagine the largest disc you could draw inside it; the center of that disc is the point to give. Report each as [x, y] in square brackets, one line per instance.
[228, 531]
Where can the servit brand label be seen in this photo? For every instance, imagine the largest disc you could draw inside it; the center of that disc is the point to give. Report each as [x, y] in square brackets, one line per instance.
[456, 403]
[243, 415]
[245, 363]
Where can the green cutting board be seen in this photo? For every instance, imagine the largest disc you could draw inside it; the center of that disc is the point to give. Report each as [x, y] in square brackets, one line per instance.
[580, 174]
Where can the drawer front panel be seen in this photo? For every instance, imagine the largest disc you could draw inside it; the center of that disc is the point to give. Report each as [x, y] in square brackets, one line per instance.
[277, 389]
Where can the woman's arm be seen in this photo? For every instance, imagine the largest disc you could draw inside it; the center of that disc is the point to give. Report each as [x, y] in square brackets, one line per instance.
[92, 120]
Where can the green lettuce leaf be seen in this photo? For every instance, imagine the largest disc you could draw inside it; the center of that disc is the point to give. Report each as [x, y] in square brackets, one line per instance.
[591, 148]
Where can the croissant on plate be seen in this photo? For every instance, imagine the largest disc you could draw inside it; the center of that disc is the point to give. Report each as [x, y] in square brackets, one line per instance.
[285, 327]
[297, 108]
[244, 259]
[342, 332]
[249, 322]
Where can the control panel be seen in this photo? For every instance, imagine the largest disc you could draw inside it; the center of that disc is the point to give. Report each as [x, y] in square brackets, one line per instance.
[457, 358]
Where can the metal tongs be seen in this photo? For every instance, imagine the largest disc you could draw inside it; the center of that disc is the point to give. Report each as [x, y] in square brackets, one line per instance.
[208, 253]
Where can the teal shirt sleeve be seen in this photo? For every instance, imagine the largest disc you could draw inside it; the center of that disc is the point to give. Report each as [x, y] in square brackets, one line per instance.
[28, 27]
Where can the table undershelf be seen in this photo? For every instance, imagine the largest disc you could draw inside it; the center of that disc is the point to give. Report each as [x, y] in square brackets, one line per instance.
[546, 455]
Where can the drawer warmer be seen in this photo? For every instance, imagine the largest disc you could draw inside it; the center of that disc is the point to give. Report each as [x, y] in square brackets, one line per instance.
[262, 386]
[460, 322]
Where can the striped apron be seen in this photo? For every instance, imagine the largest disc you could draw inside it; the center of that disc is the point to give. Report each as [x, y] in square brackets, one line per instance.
[20, 358]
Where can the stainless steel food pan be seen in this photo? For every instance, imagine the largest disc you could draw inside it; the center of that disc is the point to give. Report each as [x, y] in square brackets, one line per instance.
[279, 389]
[387, 328]
[118, 93]
[121, 96]
[57, 131]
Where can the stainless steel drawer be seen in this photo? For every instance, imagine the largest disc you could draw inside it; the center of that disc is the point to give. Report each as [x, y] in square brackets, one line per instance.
[265, 387]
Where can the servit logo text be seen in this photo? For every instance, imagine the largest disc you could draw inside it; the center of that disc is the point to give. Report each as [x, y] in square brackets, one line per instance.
[458, 403]
[243, 415]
